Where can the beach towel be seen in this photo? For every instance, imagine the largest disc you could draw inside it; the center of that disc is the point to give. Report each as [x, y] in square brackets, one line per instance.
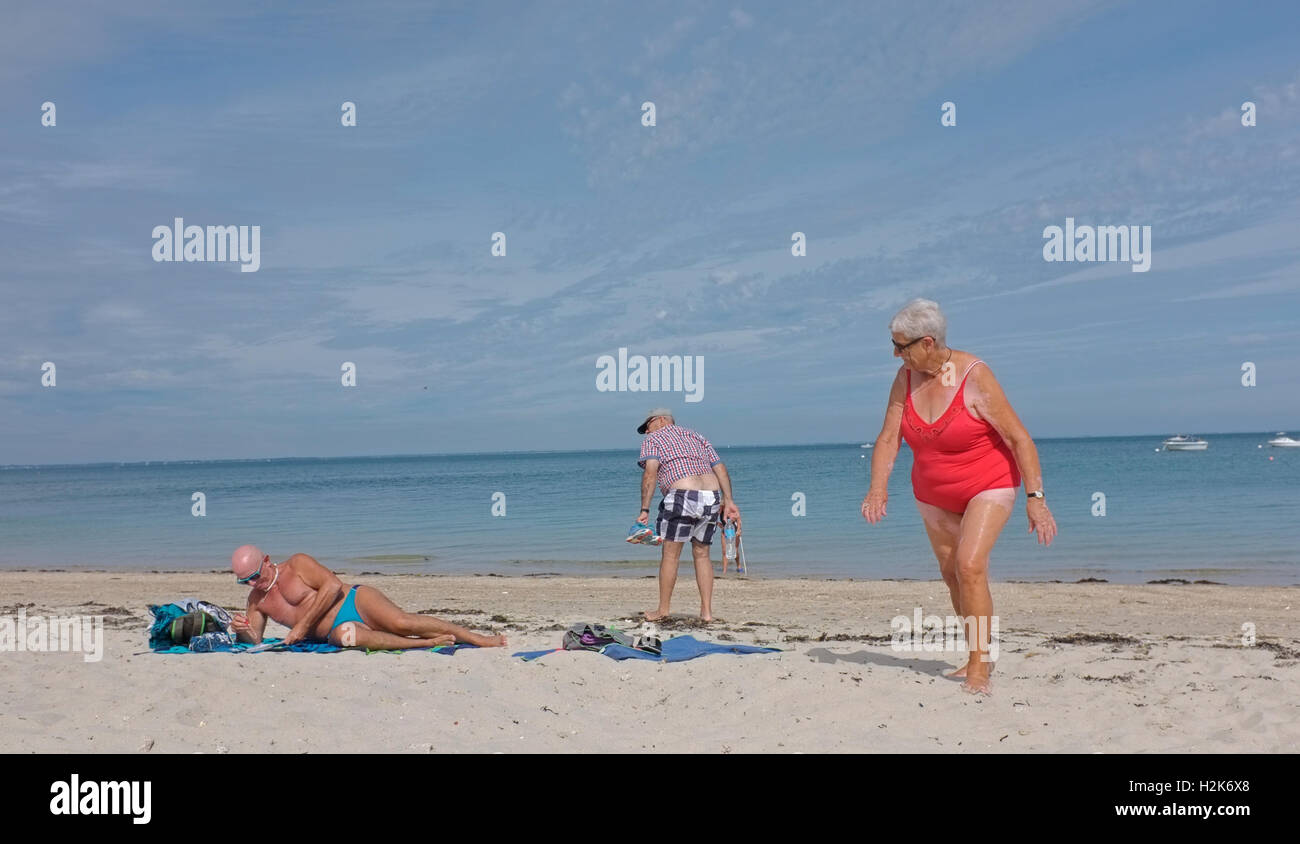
[678, 649]
[304, 648]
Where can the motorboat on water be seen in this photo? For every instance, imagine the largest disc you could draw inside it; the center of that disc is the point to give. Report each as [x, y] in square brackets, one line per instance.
[1283, 441]
[869, 445]
[1182, 442]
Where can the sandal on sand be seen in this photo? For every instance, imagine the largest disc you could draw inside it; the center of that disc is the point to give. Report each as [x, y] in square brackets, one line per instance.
[650, 644]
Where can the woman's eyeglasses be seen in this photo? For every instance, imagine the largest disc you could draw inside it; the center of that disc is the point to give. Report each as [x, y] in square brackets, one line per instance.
[898, 347]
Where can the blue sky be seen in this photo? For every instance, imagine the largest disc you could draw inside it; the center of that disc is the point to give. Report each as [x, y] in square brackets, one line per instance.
[674, 239]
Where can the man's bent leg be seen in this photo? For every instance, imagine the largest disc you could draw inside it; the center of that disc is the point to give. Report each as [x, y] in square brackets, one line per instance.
[383, 616]
[671, 554]
[703, 578]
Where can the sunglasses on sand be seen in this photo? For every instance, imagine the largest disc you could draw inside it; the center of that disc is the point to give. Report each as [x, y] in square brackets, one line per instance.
[266, 558]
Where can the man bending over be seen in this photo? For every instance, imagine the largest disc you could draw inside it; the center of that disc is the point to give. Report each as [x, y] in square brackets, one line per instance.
[696, 489]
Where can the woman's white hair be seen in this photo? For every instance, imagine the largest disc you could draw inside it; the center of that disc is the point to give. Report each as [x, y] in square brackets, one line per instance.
[921, 318]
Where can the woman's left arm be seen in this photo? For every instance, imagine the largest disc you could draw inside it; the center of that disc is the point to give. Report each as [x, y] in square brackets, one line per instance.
[992, 405]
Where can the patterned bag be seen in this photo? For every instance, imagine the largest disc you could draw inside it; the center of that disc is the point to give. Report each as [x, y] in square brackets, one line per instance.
[593, 637]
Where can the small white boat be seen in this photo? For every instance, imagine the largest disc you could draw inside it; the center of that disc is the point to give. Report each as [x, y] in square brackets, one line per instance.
[869, 445]
[1283, 441]
[1185, 443]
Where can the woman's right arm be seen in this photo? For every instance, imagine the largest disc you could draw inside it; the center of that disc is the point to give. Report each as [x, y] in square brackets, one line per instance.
[884, 452]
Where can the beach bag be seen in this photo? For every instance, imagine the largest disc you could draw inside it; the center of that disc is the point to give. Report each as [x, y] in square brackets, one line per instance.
[209, 642]
[218, 614]
[173, 626]
[191, 625]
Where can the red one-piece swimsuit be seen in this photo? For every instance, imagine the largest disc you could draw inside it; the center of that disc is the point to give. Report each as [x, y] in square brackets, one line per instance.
[956, 456]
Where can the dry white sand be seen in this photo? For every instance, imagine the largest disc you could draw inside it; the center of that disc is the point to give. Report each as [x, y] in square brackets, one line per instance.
[1083, 667]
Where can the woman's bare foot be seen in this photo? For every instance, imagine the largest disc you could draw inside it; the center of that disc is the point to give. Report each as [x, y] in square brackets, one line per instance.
[654, 616]
[960, 673]
[977, 679]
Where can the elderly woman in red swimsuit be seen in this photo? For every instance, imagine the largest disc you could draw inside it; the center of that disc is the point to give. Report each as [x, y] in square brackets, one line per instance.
[969, 453]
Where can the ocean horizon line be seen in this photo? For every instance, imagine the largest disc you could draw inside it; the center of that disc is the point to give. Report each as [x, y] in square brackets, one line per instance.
[530, 452]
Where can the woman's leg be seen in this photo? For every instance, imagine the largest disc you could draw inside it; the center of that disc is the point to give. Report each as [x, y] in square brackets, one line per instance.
[944, 529]
[981, 525]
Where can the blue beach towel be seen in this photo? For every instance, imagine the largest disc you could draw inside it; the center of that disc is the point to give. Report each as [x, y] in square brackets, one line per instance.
[306, 648]
[678, 649]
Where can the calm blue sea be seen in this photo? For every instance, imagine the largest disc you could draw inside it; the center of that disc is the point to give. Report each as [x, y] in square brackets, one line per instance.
[1229, 514]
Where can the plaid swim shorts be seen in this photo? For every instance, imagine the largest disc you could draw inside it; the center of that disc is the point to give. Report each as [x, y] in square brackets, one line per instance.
[688, 514]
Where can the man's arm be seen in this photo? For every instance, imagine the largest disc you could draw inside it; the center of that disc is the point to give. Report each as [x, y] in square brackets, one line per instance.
[328, 588]
[648, 478]
[729, 508]
[249, 628]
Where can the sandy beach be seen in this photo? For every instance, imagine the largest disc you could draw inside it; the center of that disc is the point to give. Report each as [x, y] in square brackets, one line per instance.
[1086, 667]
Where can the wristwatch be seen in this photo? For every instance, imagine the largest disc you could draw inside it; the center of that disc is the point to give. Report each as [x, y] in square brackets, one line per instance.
[1038, 493]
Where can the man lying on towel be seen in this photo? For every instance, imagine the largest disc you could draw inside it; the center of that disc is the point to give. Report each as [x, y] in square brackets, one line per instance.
[315, 605]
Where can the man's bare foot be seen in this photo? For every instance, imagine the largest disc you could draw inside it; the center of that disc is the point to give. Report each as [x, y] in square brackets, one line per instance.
[654, 616]
[422, 642]
[478, 639]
